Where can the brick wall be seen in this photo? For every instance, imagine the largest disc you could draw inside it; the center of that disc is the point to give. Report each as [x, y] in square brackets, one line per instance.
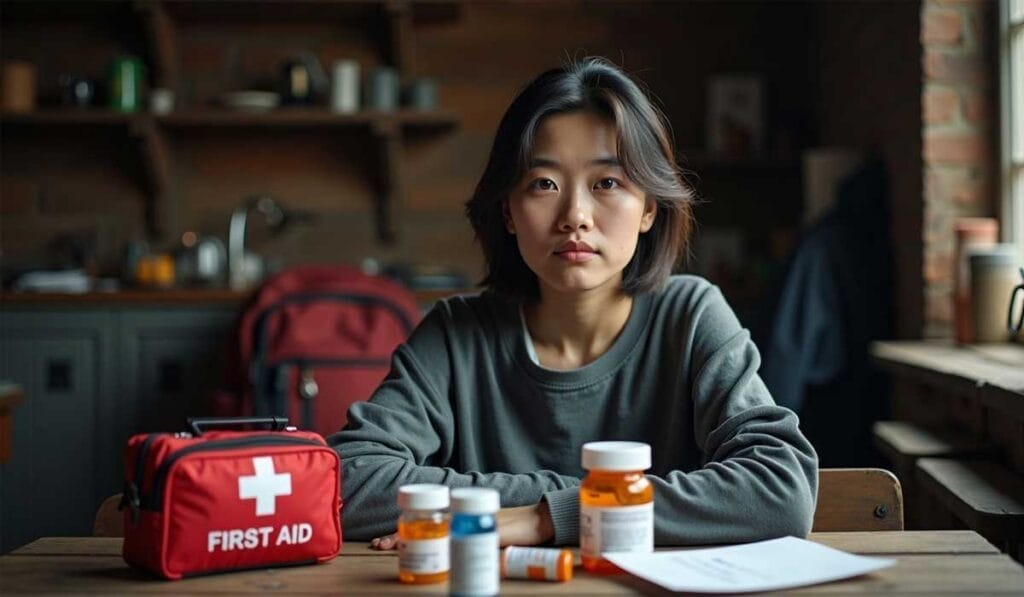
[958, 137]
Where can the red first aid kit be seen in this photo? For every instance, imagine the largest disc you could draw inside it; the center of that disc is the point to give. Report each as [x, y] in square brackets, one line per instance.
[215, 501]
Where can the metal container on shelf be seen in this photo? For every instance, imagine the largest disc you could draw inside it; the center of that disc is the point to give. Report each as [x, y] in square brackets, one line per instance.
[202, 261]
[994, 274]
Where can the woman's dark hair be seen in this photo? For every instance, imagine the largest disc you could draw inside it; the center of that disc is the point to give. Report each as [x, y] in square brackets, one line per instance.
[644, 149]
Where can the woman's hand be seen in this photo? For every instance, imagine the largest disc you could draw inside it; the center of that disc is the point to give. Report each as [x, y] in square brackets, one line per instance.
[525, 525]
[385, 543]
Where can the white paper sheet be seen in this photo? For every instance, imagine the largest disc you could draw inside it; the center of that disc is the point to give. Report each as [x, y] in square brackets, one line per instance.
[764, 566]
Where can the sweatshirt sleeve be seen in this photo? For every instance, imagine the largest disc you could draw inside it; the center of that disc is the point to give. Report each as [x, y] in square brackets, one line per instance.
[760, 474]
[405, 434]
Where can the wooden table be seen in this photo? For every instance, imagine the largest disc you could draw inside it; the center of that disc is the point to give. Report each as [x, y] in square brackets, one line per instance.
[928, 562]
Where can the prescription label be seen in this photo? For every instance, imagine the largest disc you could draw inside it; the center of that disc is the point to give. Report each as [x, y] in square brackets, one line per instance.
[423, 556]
[621, 528]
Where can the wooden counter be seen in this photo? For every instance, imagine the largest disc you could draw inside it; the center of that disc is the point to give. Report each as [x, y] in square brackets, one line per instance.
[995, 371]
[969, 399]
[177, 296]
[131, 296]
[977, 389]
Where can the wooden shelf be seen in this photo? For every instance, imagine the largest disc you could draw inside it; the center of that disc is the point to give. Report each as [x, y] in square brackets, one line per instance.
[160, 22]
[64, 9]
[387, 129]
[211, 296]
[300, 117]
[85, 116]
[422, 10]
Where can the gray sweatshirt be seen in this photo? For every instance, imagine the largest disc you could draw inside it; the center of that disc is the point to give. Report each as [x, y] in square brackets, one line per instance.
[465, 405]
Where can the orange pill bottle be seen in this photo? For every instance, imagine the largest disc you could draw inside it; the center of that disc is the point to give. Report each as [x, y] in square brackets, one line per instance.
[536, 563]
[423, 534]
[616, 503]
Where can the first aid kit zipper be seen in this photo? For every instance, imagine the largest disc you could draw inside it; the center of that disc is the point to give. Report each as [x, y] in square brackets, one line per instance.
[154, 500]
[132, 495]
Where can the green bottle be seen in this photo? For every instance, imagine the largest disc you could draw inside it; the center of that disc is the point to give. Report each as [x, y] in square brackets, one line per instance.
[126, 75]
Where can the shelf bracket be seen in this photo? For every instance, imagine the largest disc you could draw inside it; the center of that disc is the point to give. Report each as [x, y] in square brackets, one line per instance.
[399, 26]
[156, 161]
[390, 186]
[161, 33]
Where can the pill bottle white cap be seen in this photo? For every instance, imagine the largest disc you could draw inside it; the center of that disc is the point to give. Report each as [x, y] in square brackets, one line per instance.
[475, 500]
[616, 456]
[423, 497]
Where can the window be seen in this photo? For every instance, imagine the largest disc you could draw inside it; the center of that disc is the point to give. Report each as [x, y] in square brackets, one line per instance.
[1012, 30]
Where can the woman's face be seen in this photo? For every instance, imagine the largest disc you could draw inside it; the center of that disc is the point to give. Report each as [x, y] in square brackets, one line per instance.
[575, 215]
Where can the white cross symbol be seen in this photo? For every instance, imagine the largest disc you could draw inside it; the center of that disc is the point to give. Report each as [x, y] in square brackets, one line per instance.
[264, 486]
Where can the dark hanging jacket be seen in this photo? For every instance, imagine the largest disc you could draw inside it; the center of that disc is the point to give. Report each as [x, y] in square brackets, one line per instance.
[834, 300]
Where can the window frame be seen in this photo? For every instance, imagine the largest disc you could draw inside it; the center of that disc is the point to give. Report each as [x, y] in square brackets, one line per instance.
[1012, 166]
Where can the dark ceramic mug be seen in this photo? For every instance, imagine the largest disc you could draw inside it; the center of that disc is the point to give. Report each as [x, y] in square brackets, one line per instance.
[78, 92]
[1015, 327]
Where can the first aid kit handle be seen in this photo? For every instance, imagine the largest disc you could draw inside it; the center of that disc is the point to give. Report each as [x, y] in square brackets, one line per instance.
[198, 424]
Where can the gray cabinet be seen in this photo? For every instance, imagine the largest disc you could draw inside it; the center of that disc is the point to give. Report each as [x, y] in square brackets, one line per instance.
[51, 485]
[172, 364]
[92, 378]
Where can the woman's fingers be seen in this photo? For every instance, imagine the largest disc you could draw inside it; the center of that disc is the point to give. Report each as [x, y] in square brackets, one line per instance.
[386, 542]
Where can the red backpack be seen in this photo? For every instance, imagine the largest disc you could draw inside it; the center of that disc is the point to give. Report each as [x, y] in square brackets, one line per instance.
[314, 340]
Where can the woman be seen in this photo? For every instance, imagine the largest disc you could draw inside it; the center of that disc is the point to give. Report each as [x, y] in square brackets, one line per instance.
[582, 334]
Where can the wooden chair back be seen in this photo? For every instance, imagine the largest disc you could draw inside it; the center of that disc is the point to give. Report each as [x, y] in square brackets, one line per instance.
[858, 499]
[109, 521]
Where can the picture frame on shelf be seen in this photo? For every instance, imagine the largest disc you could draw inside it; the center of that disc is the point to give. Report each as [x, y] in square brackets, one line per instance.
[735, 116]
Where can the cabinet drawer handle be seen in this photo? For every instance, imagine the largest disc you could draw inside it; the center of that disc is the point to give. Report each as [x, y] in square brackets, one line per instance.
[58, 375]
[171, 373]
